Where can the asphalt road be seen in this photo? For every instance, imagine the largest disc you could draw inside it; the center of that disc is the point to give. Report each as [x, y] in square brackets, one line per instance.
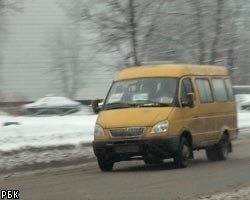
[134, 180]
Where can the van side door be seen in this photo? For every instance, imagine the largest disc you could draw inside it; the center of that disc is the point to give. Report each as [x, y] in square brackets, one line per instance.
[199, 119]
[190, 120]
[206, 110]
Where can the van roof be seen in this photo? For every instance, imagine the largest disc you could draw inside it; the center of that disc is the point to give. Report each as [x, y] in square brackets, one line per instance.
[170, 70]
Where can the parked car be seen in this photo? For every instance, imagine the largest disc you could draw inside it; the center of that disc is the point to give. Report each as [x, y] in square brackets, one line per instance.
[54, 105]
[2, 113]
[243, 101]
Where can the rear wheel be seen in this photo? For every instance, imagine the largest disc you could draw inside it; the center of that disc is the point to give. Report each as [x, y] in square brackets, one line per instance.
[219, 151]
[183, 154]
[105, 165]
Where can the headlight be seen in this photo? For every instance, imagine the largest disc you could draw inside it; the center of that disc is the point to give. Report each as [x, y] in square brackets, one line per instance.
[160, 127]
[98, 130]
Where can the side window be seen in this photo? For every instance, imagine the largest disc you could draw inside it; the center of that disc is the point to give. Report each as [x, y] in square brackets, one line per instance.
[229, 89]
[204, 90]
[186, 87]
[220, 92]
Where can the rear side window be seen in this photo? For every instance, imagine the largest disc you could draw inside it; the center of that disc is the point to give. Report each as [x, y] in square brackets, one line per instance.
[220, 92]
[229, 89]
[204, 90]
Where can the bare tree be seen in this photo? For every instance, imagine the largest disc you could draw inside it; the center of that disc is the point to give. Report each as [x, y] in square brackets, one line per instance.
[125, 26]
[66, 63]
[133, 31]
[194, 31]
[234, 41]
[215, 28]
[209, 33]
[70, 56]
[218, 31]
[198, 16]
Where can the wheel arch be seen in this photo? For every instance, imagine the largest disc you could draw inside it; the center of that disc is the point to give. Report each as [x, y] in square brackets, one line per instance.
[224, 131]
[187, 134]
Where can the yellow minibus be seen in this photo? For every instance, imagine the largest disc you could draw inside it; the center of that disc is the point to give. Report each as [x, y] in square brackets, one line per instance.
[159, 112]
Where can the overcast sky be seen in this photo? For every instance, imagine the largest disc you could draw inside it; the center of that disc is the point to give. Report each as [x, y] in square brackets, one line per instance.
[25, 46]
[26, 56]
[32, 28]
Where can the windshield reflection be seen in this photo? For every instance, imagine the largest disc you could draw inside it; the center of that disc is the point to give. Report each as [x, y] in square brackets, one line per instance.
[143, 92]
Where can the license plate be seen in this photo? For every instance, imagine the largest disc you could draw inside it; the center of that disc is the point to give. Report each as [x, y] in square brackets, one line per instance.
[126, 148]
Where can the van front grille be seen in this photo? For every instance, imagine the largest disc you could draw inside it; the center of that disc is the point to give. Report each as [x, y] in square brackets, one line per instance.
[127, 132]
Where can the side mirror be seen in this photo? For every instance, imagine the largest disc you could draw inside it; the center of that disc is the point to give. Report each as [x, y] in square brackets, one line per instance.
[96, 107]
[190, 101]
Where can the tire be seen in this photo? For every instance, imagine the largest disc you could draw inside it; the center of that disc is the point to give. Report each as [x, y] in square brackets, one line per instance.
[219, 151]
[183, 154]
[224, 148]
[105, 165]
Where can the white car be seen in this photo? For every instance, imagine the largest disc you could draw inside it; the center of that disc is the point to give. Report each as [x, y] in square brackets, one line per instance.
[243, 101]
[54, 105]
[2, 113]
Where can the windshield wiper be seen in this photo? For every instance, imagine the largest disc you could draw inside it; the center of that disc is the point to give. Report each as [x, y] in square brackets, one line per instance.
[118, 105]
[153, 103]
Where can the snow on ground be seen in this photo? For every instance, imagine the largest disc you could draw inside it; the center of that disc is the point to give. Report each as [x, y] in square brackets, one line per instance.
[58, 130]
[242, 194]
[244, 119]
[45, 131]
[41, 140]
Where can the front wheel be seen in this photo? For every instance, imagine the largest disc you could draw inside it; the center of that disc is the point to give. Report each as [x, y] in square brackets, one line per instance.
[183, 154]
[105, 165]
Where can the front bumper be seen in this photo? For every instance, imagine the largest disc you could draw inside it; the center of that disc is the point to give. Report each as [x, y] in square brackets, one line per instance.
[126, 149]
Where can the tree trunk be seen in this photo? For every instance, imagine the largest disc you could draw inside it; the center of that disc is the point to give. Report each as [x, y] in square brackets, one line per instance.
[198, 20]
[133, 33]
[218, 30]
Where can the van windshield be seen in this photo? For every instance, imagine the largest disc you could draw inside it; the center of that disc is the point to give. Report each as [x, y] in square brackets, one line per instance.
[142, 92]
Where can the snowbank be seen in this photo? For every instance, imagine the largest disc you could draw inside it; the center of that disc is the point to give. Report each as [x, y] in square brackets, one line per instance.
[45, 131]
[40, 141]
